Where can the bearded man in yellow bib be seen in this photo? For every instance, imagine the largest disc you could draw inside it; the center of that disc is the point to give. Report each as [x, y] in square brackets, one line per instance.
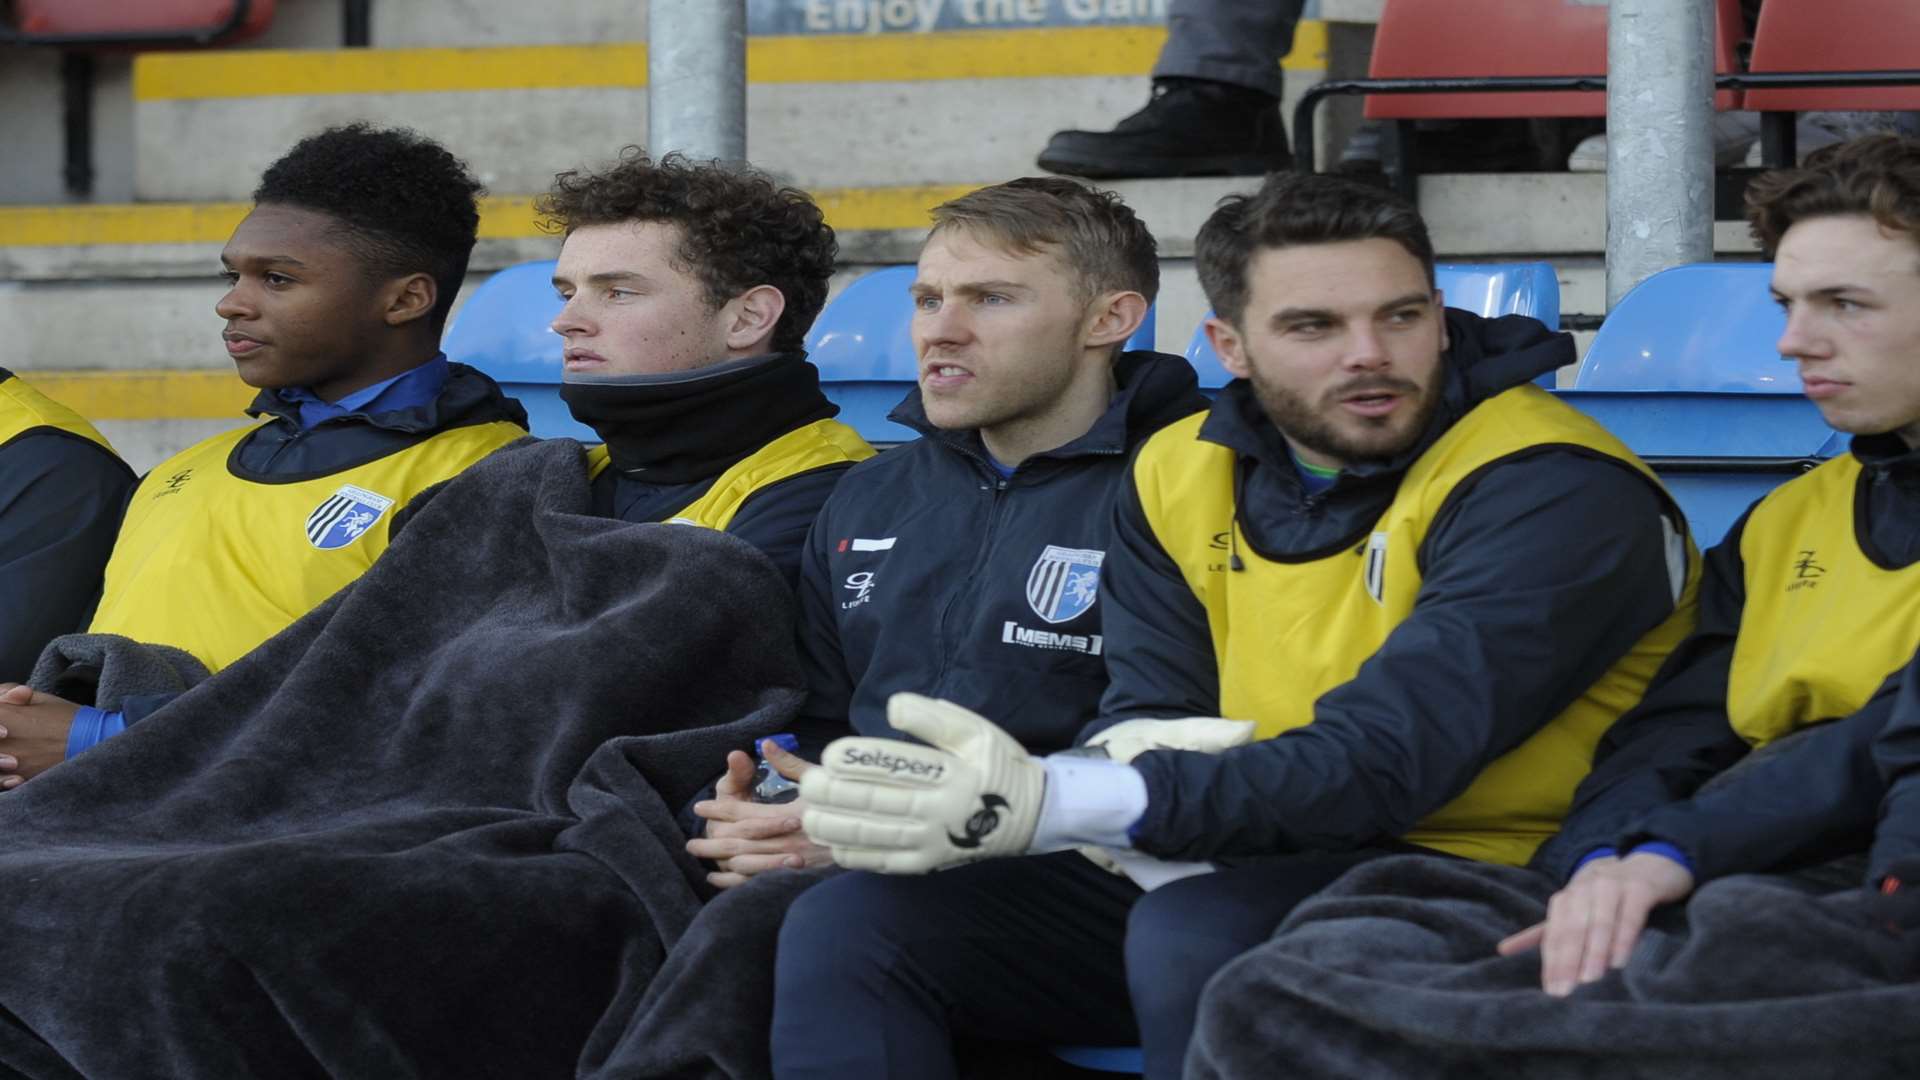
[338, 284]
[61, 491]
[1422, 586]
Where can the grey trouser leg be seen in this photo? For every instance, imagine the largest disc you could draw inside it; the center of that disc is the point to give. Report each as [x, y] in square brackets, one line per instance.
[1231, 41]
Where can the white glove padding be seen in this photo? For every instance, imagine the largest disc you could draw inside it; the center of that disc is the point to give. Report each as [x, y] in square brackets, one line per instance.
[882, 804]
[1129, 739]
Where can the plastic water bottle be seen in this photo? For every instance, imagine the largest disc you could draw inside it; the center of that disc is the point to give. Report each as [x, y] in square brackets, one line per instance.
[768, 785]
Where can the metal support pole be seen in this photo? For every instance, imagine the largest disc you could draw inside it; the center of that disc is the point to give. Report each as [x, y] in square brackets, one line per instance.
[697, 78]
[1659, 138]
[76, 108]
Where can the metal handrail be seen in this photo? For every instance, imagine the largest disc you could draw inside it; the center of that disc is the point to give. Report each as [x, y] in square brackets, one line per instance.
[124, 38]
[1304, 110]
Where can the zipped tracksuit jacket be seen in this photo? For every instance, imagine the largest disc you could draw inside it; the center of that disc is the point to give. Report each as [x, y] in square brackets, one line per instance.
[929, 572]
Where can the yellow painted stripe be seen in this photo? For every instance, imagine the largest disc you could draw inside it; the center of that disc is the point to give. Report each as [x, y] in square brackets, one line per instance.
[961, 54]
[146, 395]
[849, 209]
[501, 217]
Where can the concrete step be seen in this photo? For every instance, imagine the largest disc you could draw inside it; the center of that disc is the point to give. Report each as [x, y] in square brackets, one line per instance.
[827, 111]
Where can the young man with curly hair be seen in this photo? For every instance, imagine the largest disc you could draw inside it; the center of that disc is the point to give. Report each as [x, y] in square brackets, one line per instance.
[339, 281]
[689, 289]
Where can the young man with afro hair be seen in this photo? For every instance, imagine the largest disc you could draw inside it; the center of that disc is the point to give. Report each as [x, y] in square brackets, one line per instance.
[338, 284]
[689, 288]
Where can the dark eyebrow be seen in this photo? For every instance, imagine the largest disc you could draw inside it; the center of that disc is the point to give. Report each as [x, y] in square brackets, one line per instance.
[263, 260]
[1826, 293]
[1408, 300]
[1303, 314]
[611, 277]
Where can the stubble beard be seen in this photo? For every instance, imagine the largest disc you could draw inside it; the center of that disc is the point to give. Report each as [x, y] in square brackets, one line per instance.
[1380, 439]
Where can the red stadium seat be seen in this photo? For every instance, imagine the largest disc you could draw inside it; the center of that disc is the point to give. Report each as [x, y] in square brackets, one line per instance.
[1836, 35]
[163, 22]
[1479, 38]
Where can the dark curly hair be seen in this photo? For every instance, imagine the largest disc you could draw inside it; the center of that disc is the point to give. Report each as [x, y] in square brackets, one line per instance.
[1292, 209]
[405, 204]
[738, 228]
[1875, 175]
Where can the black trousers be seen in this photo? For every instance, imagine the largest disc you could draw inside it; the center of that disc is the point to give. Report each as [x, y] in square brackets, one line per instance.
[877, 974]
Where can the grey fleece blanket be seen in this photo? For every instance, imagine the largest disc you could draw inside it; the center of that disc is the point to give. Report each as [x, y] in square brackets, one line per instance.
[107, 669]
[1392, 972]
[425, 831]
[707, 1014]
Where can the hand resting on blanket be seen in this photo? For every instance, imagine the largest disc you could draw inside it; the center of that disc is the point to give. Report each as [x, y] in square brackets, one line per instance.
[1593, 923]
[33, 733]
[743, 837]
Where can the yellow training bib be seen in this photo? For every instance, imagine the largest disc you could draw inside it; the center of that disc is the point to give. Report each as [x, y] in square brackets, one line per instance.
[1285, 633]
[815, 446]
[215, 564]
[1823, 624]
[23, 409]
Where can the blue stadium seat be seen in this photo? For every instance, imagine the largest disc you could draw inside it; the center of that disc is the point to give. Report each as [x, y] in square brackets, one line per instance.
[1685, 372]
[502, 329]
[1482, 288]
[865, 355]
[864, 349]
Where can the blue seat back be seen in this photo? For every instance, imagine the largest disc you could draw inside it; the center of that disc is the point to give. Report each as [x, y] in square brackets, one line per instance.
[1488, 289]
[864, 352]
[863, 346]
[504, 330]
[1686, 373]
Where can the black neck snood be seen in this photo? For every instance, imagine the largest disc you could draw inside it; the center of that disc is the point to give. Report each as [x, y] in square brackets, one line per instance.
[690, 425]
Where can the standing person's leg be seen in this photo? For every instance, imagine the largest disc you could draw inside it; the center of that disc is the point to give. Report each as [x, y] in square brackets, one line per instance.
[1229, 41]
[1214, 109]
[1180, 934]
[876, 974]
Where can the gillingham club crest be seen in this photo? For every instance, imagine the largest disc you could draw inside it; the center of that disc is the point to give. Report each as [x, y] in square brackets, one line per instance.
[1064, 582]
[345, 516]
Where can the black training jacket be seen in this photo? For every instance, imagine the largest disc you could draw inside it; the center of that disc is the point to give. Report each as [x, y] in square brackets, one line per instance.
[1807, 796]
[1556, 553]
[928, 572]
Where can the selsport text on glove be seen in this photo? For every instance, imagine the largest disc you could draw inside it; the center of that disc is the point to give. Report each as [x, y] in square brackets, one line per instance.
[881, 804]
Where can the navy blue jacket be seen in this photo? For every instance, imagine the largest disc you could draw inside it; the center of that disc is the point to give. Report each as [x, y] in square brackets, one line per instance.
[1557, 553]
[929, 572]
[61, 497]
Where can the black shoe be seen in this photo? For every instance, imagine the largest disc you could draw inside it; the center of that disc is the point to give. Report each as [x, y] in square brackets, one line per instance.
[1189, 127]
